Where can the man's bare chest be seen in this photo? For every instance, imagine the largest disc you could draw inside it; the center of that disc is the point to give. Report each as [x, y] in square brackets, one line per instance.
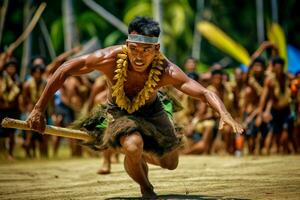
[134, 84]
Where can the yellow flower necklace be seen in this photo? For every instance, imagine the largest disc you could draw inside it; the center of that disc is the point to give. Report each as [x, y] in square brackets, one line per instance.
[121, 73]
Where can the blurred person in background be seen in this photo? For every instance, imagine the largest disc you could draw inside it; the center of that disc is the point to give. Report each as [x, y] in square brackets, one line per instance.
[225, 93]
[190, 68]
[10, 90]
[98, 97]
[254, 122]
[32, 90]
[295, 88]
[276, 92]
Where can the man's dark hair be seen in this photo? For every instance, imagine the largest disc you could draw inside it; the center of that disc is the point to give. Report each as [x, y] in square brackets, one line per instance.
[260, 60]
[277, 60]
[190, 58]
[217, 72]
[11, 61]
[144, 26]
[36, 57]
[39, 67]
[193, 75]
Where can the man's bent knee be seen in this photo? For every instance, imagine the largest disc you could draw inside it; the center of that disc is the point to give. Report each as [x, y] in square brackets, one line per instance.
[170, 162]
[132, 144]
[171, 165]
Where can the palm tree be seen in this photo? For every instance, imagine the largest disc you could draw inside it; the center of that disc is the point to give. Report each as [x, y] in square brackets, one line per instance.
[70, 31]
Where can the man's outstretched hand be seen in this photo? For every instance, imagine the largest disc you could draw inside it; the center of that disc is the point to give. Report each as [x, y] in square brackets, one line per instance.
[36, 120]
[227, 119]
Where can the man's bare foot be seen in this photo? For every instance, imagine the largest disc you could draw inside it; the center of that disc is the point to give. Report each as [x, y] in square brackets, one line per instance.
[10, 158]
[148, 193]
[115, 158]
[105, 169]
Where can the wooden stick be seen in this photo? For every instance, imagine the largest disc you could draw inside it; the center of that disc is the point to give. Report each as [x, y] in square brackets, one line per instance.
[29, 28]
[50, 130]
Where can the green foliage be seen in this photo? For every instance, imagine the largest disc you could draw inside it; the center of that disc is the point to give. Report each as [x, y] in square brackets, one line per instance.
[90, 24]
[201, 68]
[113, 38]
[57, 35]
[237, 18]
[143, 8]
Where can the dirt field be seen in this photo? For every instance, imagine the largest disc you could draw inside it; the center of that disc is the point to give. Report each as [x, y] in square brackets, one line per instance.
[197, 177]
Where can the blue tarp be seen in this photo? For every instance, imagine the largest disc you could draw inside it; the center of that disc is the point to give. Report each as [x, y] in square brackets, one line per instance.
[293, 59]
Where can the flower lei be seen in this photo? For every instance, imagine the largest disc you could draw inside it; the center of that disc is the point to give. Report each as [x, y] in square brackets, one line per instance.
[121, 73]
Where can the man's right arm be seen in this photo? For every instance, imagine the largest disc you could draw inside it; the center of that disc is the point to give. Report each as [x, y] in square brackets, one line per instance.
[100, 60]
[36, 119]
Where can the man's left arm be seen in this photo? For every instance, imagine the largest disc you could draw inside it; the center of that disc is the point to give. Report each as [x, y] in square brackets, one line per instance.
[192, 88]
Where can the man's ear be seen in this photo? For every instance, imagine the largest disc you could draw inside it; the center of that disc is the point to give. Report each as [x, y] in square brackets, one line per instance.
[157, 47]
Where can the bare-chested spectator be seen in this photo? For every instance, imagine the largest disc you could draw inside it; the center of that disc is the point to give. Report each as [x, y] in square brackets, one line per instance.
[225, 92]
[32, 89]
[190, 68]
[201, 131]
[276, 91]
[99, 96]
[186, 116]
[254, 122]
[9, 103]
[62, 114]
[69, 103]
[295, 88]
[98, 93]
[238, 87]
[189, 104]
[205, 121]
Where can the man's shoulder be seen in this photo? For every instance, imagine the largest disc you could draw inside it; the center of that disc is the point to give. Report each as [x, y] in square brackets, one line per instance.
[172, 73]
[109, 51]
[101, 56]
[170, 68]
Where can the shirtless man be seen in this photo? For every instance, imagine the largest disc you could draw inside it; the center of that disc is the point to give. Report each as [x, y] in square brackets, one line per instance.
[9, 102]
[276, 93]
[134, 100]
[32, 89]
[255, 123]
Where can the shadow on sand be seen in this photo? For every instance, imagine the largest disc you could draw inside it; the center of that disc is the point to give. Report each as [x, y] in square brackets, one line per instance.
[181, 196]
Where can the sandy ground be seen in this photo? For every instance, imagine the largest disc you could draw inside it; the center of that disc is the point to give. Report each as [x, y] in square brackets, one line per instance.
[197, 177]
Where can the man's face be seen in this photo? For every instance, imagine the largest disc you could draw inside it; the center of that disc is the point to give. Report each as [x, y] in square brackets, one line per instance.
[278, 68]
[11, 69]
[217, 79]
[38, 61]
[141, 55]
[190, 65]
[37, 74]
[238, 75]
[258, 68]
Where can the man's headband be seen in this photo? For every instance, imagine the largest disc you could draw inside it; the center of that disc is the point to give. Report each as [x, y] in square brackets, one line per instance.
[142, 39]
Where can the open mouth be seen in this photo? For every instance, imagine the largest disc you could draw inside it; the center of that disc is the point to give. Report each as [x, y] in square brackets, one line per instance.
[138, 63]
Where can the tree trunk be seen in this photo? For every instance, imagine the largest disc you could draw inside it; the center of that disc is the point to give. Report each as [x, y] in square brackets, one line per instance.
[28, 41]
[2, 17]
[196, 52]
[70, 33]
[260, 21]
[158, 16]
